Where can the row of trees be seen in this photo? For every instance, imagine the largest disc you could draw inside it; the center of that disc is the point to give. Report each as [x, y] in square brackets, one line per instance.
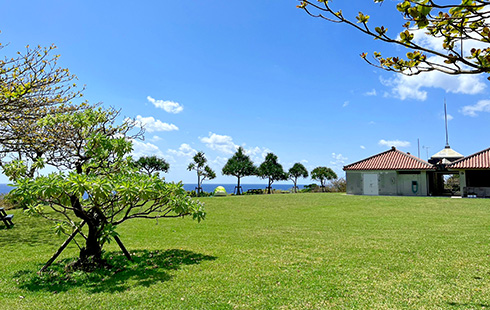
[240, 165]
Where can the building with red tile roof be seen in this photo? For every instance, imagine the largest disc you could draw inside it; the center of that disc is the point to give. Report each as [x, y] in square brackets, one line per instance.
[480, 160]
[392, 159]
[394, 172]
[474, 171]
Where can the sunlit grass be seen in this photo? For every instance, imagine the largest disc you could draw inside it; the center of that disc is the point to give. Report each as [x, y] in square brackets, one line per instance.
[303, 251]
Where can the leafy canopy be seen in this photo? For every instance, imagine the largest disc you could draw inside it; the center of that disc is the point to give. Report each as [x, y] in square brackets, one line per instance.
[239, 165]
[203, 171]
[298, 170]
[98, 184]
[151, 164]
[272, 170]
[462, 28]
[323, 174]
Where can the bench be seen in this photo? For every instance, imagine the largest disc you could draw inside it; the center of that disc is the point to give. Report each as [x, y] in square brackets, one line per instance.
[6, 218]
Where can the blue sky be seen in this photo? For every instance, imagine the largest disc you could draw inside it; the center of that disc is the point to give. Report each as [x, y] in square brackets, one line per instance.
[213, 75]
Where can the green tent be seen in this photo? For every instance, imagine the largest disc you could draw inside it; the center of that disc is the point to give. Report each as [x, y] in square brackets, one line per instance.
[220, 191]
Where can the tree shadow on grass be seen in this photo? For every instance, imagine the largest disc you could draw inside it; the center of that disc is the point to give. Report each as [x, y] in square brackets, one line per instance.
[147, 268]
[468, 305]
[28, 231]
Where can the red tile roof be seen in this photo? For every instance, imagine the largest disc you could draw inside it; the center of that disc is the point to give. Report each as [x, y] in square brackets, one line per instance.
[480, 160]
[392, 159]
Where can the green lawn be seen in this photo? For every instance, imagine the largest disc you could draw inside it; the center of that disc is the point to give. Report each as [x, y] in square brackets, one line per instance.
[303, 251]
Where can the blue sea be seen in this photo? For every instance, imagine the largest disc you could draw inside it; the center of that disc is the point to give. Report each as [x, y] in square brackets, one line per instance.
[245, 187]
[4, 188]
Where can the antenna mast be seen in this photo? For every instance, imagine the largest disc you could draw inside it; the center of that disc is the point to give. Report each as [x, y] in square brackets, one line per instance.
[445, 119]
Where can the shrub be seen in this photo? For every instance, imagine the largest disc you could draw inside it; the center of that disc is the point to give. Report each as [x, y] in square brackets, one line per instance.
[6, 203]
[337, 186]
[311, 188]
[193, 193]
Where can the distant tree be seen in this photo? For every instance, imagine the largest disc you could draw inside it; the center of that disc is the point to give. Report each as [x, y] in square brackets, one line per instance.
[151, 164]
[272, 170]
[295, 172]
[461, 28]
[203, 171]
[322, 174]
[96, 187]
[239, 165]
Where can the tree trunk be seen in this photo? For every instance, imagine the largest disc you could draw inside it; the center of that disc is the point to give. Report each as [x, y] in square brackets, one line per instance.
[238, 187]
[91, 254]
[295, 181]
[269, 187]
[62, 247]
[198, 184]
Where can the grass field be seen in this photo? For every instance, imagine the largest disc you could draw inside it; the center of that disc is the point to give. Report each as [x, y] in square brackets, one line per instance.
[303, 251]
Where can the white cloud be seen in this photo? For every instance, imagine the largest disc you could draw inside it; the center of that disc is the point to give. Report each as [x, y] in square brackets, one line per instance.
[257, 154]
[168, 106]
[395, 143]
[151, 124]
[345, 104]
[421, 38]
[371, 93]
[185, 150]
[338, 160]
[414, 87]
[225, 144]
[480, 106]
[145, 149]
[363, 147]
[155, 139]
[219, 162]
[221, 143]
[449, 116]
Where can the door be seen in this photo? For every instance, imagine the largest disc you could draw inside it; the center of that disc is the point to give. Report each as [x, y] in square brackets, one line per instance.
[370, 184]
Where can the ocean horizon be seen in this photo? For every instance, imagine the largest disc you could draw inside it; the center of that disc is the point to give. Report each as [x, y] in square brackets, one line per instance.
[245, 187]
[207, 187]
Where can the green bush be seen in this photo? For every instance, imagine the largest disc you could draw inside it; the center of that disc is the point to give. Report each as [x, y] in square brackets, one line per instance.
[6, 203]
[193, 193]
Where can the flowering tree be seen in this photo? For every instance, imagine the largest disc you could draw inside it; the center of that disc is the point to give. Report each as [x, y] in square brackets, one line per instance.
[98, 185]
